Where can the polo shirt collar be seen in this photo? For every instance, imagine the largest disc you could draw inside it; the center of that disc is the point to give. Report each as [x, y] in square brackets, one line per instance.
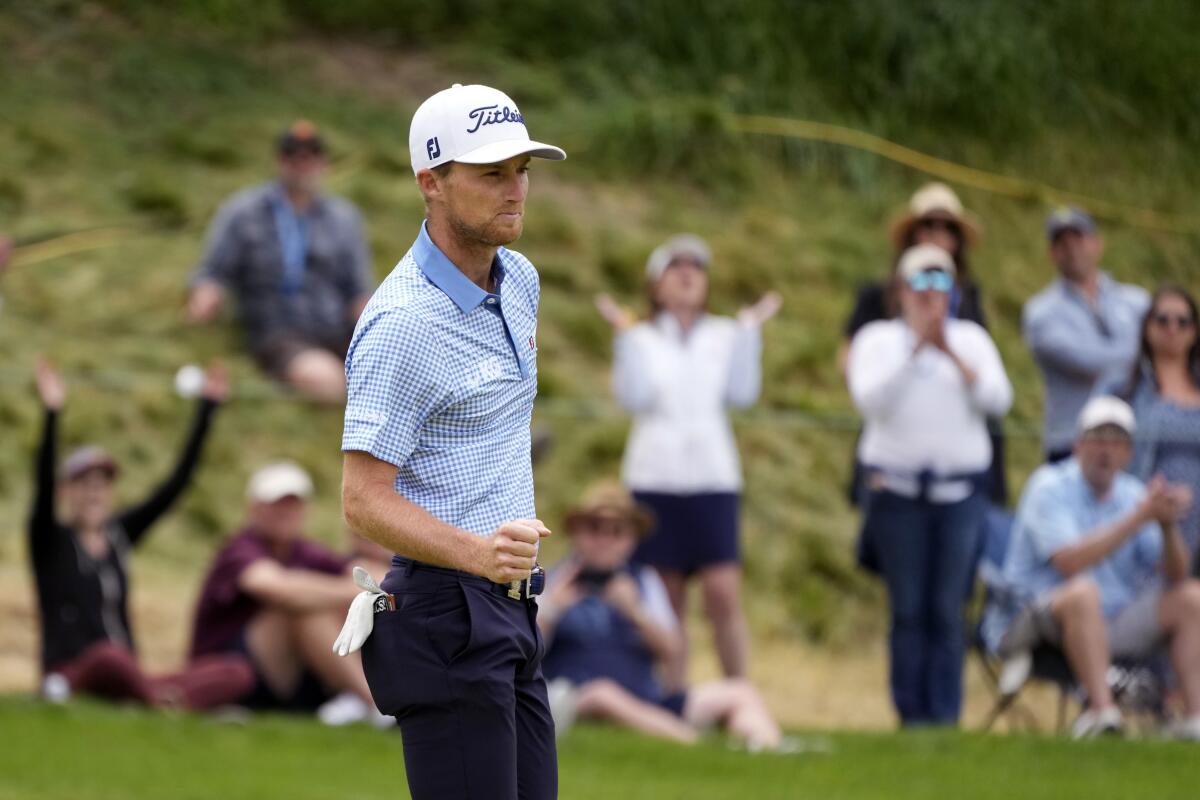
[442, 273]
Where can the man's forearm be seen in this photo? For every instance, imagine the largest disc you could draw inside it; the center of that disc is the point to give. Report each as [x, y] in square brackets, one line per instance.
[378, 513]
[1097, 546]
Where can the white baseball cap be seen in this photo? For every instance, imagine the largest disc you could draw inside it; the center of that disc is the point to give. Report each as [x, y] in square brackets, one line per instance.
[472, 124]
[921, 257]
[276, 481]
[1106, 410]
[687, 245]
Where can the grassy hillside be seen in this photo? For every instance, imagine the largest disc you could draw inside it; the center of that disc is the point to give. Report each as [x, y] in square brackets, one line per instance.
[121, 114]
[114, 753]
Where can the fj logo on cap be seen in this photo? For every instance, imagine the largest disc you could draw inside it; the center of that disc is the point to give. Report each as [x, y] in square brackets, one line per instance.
[433, 148]
[491, 115]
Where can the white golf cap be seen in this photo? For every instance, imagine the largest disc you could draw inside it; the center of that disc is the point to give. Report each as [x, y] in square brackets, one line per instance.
[921, 257]
[277, 481]
[686, 245]
[472, 124]
[1106, 410]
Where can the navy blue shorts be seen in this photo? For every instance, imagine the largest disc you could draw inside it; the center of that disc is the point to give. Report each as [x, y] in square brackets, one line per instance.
[460, 667]
[691, 531]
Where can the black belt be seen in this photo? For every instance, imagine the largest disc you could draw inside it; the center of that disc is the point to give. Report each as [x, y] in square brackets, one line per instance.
[517, 590]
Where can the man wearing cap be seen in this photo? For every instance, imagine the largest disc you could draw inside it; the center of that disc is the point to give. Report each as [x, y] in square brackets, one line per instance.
[1083, 328]
[1097, 567]
[277, 598]
[297, 261]
[441, 376]
[925, 385]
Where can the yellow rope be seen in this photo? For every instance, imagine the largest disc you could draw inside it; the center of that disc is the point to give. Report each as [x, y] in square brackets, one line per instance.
[958, 173]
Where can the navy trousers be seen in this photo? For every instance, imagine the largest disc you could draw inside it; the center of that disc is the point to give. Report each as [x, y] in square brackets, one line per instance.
[927, 553]
[459, 666]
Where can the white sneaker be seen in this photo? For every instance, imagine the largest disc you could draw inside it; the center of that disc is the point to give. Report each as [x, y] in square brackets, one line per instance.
[1014, 672]
[1186, 730]
[1092, 723]
[55, 689]
[564, 704]
[348, 708]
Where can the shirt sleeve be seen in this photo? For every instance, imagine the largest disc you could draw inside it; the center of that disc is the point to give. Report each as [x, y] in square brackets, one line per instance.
[745, 368]
[992, 392]
[655, 600]
[394, 383]
[877, 370]
[1060, 345]
[632, 383]
[231, 562]
[221, 249]
[1048, 521]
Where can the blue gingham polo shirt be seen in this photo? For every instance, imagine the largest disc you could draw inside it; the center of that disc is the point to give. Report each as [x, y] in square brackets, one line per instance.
[440, 379]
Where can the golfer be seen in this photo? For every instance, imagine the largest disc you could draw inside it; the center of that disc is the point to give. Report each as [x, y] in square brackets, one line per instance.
[441, 376]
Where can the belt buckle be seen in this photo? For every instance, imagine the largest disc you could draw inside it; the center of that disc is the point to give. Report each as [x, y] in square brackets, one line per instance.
[514, 589]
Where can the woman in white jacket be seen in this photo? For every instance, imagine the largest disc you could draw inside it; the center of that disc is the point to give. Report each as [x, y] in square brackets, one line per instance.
[925, 384]
[677, 373]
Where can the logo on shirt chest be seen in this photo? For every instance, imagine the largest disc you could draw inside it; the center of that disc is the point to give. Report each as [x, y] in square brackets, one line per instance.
[491, 369]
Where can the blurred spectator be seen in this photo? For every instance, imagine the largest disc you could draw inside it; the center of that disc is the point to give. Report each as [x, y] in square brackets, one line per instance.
[278, 599]
[936, 216]
[1164, 390]
[677, 373]
[1082, 328]
[298, 262]
[6, 248]
[80, 565]
[924, 384]
[610, 630]
[1090, 547]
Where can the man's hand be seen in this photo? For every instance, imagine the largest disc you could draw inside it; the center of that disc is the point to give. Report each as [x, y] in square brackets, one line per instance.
[622, 593]
[204, 302]
[757, 315]
[616, 315]
[1165, 502]
[511, 552]
[50, 385]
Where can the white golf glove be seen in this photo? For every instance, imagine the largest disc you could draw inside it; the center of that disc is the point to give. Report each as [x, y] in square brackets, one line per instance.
[360, 619]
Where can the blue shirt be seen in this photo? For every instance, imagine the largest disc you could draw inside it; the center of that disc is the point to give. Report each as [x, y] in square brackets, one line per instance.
[440, 379]
[1077, 346]
[1057, 509]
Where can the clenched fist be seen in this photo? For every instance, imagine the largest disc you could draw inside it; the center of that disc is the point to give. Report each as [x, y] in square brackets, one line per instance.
[510, 553]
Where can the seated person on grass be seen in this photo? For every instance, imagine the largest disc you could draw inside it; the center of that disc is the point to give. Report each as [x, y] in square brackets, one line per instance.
[80, 564]
[278, 599]
[611, 632]
[1097, 567]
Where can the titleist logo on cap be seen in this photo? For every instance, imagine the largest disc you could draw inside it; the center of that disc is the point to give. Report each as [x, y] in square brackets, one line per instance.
[491, 115]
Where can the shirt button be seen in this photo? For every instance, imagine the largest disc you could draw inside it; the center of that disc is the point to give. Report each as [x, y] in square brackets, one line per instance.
[491, 301]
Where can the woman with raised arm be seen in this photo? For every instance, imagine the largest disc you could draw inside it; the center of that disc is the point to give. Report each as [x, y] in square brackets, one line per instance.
[678, 373]
[81, 563]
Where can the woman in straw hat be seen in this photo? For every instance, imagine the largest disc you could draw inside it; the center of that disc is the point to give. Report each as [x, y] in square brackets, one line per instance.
[678, 373]
[611, 632]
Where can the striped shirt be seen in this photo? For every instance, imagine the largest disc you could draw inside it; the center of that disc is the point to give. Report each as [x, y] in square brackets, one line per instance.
[441, 377]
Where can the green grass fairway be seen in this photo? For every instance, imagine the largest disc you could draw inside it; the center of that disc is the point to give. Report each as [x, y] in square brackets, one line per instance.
[91, 752]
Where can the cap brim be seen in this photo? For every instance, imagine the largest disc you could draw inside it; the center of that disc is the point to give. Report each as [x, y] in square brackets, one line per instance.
[496, 152]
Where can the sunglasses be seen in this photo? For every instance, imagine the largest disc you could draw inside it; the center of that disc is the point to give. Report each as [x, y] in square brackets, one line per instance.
[1180, 321]
[935, 280]
[935, 224]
